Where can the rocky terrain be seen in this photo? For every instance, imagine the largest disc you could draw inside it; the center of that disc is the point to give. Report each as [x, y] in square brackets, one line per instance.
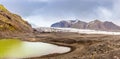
[83, 46]
[94, 25]
[12, 24]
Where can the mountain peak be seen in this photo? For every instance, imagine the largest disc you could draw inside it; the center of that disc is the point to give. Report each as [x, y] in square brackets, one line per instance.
[70, 21]
[96, 21]
[94, 25]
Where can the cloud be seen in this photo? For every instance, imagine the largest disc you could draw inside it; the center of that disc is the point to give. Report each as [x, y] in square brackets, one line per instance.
[23, 7]
[104, 13]
[116, 9]
[39, 0]
[46, 12]
[78, 8]
[39, 20]
[116, 12]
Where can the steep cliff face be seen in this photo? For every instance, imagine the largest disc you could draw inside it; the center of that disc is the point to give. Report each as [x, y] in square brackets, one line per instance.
[11, 23]
[94, 25]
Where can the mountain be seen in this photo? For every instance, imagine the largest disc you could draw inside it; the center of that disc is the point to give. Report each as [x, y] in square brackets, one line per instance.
[12, 23]
[93, 25]
[70, 23]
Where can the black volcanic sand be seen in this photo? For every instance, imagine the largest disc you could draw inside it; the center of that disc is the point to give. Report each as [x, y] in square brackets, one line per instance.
[83, 46]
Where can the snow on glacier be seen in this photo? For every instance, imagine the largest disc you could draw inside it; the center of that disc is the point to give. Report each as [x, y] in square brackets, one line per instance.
[82, 31]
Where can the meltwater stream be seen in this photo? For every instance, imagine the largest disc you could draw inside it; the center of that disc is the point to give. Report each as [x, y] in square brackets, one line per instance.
[15, 49]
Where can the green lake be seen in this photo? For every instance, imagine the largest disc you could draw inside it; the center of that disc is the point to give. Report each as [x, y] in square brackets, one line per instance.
[15, 49]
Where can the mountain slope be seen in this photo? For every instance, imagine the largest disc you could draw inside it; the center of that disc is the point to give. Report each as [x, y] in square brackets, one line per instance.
[11, 23]
[94, 25]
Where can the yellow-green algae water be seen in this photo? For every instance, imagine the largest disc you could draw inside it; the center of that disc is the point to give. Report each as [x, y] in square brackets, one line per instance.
[16, 49]
[7, 44]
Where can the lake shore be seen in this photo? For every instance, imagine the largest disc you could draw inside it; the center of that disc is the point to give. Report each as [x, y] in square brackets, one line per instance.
[83, 46]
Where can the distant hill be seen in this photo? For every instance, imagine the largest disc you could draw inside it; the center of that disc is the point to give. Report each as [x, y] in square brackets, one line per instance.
[93, 25]
[11, 23]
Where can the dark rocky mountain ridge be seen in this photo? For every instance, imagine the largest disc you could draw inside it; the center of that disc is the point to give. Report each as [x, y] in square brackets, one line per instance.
[94, 25]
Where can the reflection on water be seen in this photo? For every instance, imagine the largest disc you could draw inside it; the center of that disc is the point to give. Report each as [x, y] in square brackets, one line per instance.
[14, 48]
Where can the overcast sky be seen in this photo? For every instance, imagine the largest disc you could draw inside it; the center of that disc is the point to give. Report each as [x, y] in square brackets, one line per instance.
[46, 12]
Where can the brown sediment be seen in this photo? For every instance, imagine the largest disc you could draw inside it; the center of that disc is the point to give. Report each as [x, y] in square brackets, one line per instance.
[83, 46]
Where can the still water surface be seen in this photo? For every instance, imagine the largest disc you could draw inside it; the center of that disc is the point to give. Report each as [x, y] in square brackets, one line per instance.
[15, 49]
